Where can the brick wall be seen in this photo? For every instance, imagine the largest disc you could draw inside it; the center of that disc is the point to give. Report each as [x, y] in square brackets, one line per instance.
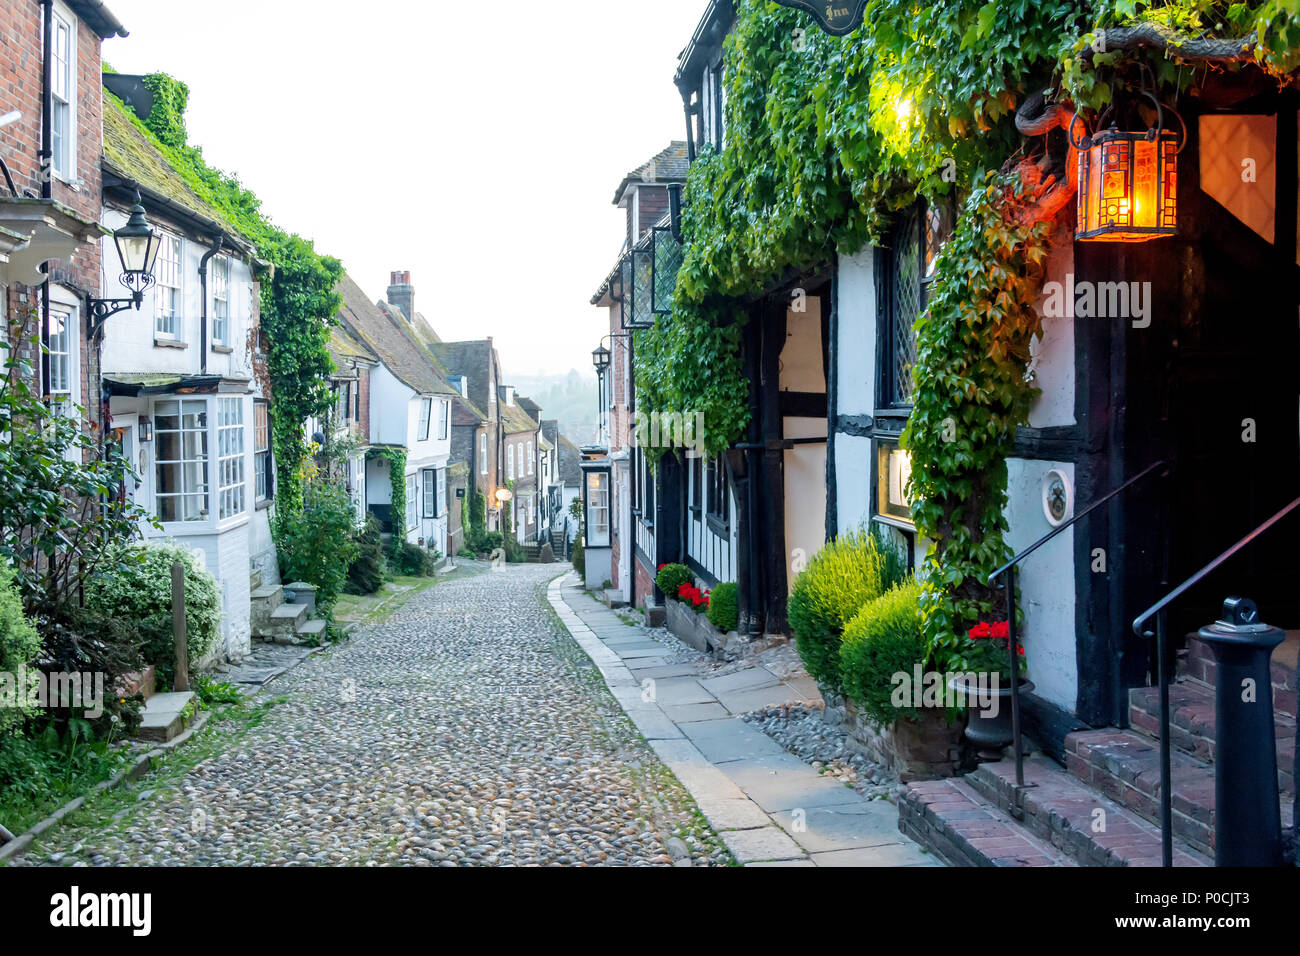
[363, 419]
[653, 205]
[21, 53]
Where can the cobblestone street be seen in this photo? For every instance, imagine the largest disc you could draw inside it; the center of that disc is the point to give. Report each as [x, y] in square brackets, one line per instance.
[467, 729]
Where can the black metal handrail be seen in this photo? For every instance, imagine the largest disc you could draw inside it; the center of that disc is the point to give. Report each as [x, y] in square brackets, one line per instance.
[1160, 611]
[1008, 571]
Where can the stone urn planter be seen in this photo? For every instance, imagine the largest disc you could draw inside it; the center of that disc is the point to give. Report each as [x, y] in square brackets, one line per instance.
[696, 630]
[989, 727]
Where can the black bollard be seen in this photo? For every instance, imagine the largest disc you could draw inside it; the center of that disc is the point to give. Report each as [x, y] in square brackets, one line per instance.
[1247, 818]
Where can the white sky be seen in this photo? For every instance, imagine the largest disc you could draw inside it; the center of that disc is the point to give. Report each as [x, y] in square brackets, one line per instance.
[415, 135]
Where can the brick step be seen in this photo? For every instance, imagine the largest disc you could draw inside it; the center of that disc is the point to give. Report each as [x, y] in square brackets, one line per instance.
[1192, 724]
[1197, 663]
[1080, 822]
[961, 827]
[1125, 766]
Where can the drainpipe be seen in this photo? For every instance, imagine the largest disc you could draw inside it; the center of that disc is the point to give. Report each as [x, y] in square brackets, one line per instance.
[203, 306]
[46, 163]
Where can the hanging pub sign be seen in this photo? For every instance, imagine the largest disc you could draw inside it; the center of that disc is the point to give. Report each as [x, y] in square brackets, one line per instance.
[836, 17]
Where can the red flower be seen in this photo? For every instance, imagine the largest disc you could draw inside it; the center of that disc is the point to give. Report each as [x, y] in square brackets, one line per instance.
[1002, 629]
[980, 631]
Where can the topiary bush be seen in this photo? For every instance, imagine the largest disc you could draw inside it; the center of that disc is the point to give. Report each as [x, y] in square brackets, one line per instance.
[724, 607]
[20, 646]
[367, 571]
[671, 577]
[882, 640]
[840, 579]
[141, 591]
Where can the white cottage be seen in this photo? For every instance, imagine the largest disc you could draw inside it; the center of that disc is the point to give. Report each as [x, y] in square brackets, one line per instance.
[181, 377]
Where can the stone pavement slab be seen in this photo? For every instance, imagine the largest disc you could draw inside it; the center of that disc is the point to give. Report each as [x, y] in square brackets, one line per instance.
[730, 739]
[767, 806]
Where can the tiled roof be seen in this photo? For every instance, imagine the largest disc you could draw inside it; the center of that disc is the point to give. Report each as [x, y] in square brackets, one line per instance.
[391, 340]
[344, 347]
[471, 359]
[668, 166]
[570, 463]
[514, 419]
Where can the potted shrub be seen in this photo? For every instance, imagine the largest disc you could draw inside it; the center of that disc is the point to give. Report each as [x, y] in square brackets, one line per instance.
[985, 655]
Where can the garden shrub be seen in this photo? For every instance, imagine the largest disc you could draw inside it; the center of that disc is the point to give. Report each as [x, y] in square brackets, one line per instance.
[367, 570]
[19, 646]
[88, 640]
[141, 592]
[840, 579]
[318, 543]
[579, 558]
[413, 561]
[724, 607]
[671, 577]
[882, 640]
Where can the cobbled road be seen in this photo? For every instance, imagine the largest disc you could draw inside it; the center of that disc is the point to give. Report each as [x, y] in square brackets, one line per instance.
[468, 729]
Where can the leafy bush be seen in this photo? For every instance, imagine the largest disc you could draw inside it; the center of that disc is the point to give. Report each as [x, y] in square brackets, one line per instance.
[319, 543]
[40, 774]
[579, 557]
[88, 640]
[882, 640]
[141, 591]
[671, 577]
[724, 607]
[19, 645]
[367, 570]
[840, 579]
[412, 561]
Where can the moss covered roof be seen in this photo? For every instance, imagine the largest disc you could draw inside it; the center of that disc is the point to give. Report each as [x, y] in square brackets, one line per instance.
[130, 151]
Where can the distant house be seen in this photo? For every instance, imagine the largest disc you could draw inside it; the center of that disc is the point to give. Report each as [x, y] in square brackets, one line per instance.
[476, 368]
[347, 425]
[410, 414]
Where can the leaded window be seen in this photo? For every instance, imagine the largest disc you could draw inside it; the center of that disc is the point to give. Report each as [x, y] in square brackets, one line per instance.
[917, 238]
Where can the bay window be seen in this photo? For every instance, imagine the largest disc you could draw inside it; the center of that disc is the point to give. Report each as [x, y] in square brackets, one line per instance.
[181, 471]
[230, 457]
[597, 498]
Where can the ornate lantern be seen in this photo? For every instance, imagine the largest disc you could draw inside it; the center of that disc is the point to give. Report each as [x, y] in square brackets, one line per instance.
[1128, 183]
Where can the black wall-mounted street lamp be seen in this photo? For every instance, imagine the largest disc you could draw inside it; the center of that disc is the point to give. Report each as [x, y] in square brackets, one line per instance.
[600, 359]
[137, 247]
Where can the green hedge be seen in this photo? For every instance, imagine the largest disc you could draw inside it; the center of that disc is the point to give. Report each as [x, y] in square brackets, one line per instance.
[840, 579]
[724, 607]
[882, 640]
[142, 592]
[19, 646]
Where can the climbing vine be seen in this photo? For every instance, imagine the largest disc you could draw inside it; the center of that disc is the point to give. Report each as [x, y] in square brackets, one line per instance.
[298, 302]
[396, 458]
[826, 138]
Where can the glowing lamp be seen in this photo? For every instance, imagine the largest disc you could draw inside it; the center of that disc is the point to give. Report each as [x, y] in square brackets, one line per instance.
[1128, 187]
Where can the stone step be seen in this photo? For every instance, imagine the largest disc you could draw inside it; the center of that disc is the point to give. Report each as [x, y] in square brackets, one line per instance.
[963, 828]
[287, 619]
[1197, 663]
[315, 628]
[262, 603]
[1090, 828]
[1192, 724]
[165, 715]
